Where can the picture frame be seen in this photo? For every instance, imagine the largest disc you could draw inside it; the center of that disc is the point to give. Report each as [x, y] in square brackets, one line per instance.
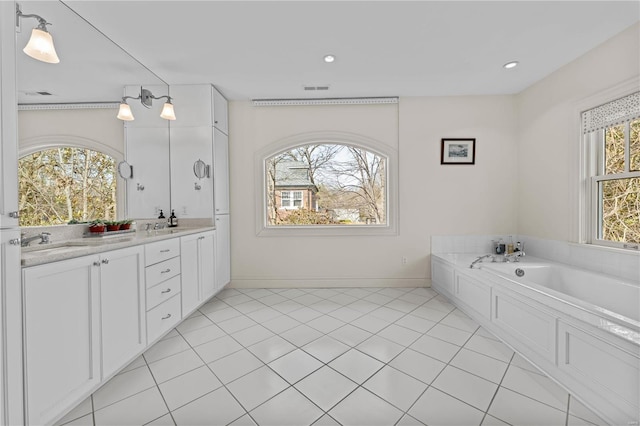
[458, 151]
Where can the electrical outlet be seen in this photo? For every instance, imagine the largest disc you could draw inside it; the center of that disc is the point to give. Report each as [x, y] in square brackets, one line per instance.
[404, 260]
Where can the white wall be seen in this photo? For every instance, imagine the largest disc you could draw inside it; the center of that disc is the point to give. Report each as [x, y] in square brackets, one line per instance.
[548, 134]
[433, 199]
[99, 125]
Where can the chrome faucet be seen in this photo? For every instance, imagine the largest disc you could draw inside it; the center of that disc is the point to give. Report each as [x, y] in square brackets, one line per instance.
[479, 259]
[44, 239]
[515, 256]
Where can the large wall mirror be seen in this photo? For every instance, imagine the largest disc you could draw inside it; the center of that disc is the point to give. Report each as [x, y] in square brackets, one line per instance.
[67, 114]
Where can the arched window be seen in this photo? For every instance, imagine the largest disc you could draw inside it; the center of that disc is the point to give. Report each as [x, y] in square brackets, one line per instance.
[328, 183]
[61, 184]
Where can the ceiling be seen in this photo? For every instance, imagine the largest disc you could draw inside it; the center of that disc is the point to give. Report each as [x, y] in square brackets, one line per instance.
[266, 49]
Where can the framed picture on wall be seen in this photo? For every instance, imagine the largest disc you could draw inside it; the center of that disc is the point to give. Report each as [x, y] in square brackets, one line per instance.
[458, 151]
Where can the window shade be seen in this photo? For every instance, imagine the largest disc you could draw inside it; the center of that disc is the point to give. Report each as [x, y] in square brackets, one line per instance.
[611, 113]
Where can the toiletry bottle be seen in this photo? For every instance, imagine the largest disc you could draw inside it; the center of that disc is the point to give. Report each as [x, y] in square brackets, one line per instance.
[173, 220]
[161, 216]
[510, 245]
[501, 247]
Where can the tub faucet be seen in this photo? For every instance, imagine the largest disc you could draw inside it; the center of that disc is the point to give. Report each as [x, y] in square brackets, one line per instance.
[515, 256]
[479, 259]
[44, 239]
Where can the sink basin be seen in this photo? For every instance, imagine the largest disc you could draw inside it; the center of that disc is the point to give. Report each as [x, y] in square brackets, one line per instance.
[46, 249]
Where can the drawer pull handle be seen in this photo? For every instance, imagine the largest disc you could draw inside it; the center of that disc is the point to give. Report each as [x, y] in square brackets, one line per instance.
[166, 291]
[96, 263]
[165, 251]
[105, 261]
[165, 271]
[166, 317]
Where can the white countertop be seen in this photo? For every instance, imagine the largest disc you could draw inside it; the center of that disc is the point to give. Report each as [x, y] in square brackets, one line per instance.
[39, 254]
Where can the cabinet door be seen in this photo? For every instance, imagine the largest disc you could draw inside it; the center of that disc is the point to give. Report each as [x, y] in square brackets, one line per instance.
[220, 112]
[206, 258]
[61, 335]
[190, 276]
[122, 293]
[191, 196]
[192, 104]
[11, 323]
[223, 251]
[220, 172]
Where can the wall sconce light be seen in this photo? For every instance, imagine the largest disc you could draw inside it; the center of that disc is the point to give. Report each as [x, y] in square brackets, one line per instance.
[40, 45]
[146, 98]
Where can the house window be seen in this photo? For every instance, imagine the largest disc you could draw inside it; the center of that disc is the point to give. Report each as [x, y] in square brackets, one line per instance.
[326, 184]
[62, 184]
[612, 143]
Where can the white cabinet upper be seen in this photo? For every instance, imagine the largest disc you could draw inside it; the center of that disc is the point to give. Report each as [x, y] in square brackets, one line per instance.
[198, 269]
[61, 302]
[122, 307]
[220, 172]
[199, 105]
[223, 251]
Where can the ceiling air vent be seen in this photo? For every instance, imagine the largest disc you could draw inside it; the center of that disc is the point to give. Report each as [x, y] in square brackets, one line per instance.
[313, 88]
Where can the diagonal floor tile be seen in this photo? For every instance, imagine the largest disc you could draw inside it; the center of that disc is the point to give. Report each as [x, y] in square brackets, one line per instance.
[257, 387]
[295, 365]
[418, 365]
[395, 387]
[356, 365]
[380, 348]
[188, 387]
[325, 348]
[364, 408]
[325, 387]
[235, 365]
[437, 408]
[216, 408]
[289, 408]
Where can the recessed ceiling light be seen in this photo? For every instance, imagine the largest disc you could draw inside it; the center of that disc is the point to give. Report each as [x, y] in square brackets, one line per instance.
[329, 58]
[511, 64]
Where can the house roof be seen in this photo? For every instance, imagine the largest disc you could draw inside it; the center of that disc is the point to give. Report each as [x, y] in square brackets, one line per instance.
[292, 173]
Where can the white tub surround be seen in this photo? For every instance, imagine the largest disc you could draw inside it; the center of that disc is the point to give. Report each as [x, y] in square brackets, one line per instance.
[581, 328]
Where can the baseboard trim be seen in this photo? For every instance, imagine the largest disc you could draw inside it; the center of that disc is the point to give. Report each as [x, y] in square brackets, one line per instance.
[329, 283]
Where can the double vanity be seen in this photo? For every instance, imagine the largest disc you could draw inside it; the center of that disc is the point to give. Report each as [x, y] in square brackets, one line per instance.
[91, 306]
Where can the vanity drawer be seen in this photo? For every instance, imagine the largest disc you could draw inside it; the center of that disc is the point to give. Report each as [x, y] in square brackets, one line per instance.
[163, 317]
[155, 274]
[161, 250]
[162, 292]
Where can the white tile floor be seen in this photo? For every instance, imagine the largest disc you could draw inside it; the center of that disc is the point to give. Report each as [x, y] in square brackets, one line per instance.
[360, 356]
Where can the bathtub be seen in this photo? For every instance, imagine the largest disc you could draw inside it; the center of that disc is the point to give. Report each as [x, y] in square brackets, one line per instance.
[580, 328]
[613, 298]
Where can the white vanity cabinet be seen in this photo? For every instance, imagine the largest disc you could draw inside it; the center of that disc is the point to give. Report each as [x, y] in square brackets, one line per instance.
[61, 303]
[198, 269]
[122, 307]
[83, 320]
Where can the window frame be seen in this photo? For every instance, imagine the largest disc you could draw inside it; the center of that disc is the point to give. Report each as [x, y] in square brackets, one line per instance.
[589, 159]
[338, 138]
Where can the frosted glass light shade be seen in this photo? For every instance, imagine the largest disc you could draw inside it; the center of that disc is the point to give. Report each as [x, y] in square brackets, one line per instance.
[124, 113]
[167, 111]
[40, 47]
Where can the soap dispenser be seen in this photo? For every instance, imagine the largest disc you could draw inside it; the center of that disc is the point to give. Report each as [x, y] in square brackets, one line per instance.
[161, 216]
[173, 220]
